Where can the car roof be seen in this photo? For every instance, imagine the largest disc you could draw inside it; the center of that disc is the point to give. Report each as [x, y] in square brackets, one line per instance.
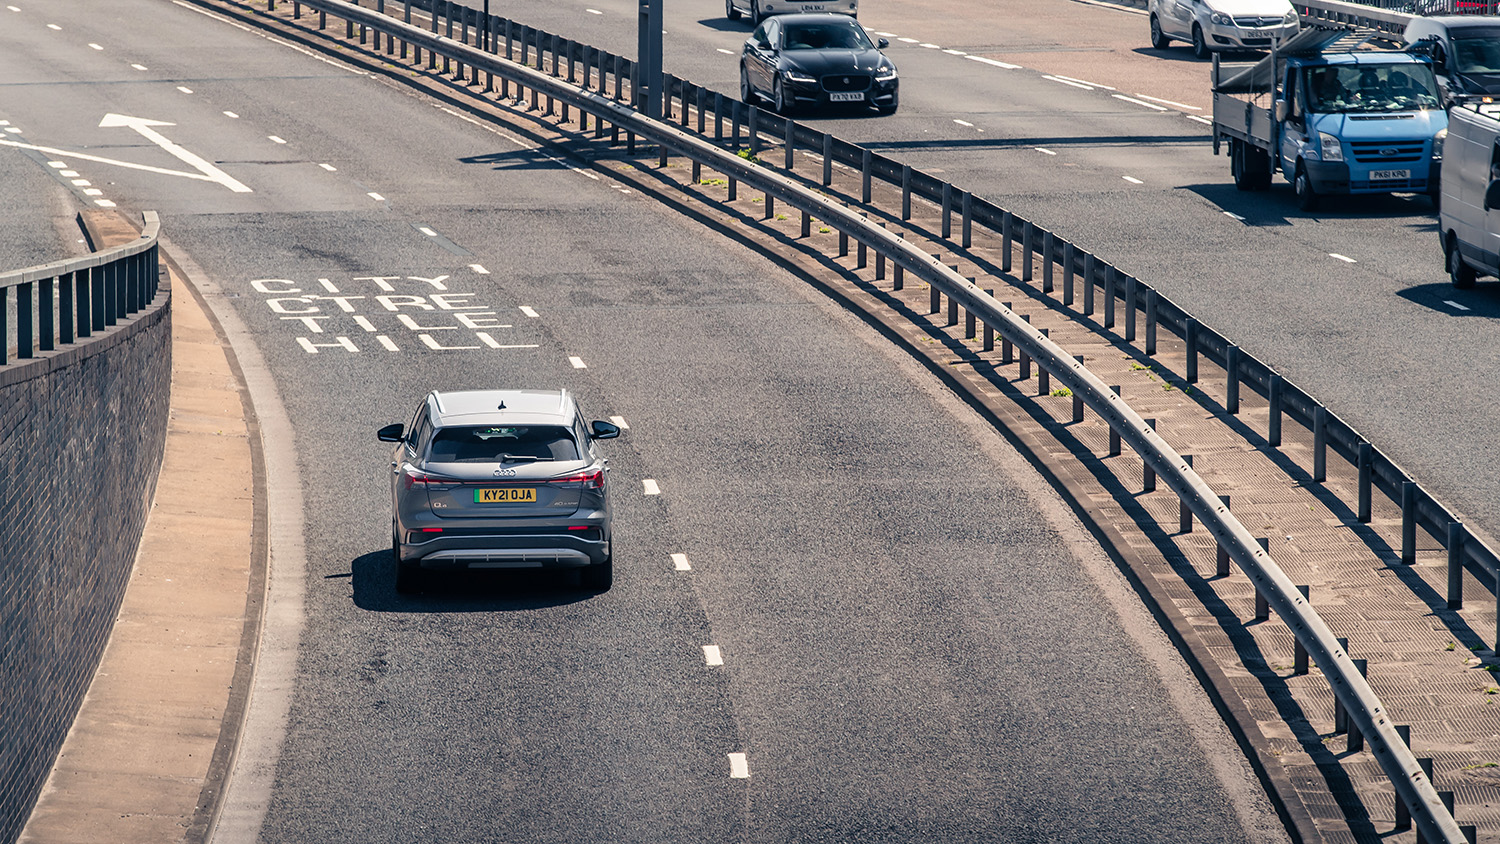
[817, 17]
[1452, 22]
[483, 407]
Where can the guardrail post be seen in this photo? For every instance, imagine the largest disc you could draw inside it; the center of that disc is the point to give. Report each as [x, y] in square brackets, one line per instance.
[44, 314]
[1025, 358]
[807, 227]
[898, 276]
[966, 210]
[989, 330]
[1028, 249]
[1190, 340]
[789, 146]
[751, 129]
[1455, 565]
[702, 108]
[718, 117]
[1077, 399]
[1340, 715]
[947, 212]
[1299, 653]
[843, 244]
[1408, 522]
[1049, 249]
[1150, 323]
[65, 313]
[880, 265]
[906, 191]
[953, 312]
[1088, 284]
[934, 299]
[770, 204]
[866, 163]
[98, 286]
[1356, 741]
[859, 255]
[122, 289]
[733, 188]
[1111, 280]
[1007, 350]
[1232, 379]
[827, 159]
[1365, 455]
[1148, 475]
[1221, 554]
[25, 342]
[1007, 235]
[1070, 254]
[1320, 444]
[1130, 285]
[1273, 423]
[1043, 377]
[1114, 433]
[1184, 513]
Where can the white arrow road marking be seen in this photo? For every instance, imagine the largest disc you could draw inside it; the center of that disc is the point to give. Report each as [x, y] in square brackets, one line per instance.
[143, 126]
[85, 157]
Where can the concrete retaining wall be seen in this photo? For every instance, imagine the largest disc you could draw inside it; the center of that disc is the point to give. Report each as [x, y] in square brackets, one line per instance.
[81, 438]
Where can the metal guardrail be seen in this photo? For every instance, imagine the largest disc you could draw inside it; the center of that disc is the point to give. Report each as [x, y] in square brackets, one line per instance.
[69, 301]
[1363, 709]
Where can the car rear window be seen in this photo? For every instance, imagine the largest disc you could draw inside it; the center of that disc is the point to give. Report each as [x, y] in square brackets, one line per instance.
[492, 444]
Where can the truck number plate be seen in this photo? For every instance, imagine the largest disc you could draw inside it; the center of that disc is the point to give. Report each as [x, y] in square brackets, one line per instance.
[1377, 175]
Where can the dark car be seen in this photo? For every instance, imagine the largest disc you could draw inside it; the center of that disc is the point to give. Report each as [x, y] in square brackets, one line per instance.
[813, 61]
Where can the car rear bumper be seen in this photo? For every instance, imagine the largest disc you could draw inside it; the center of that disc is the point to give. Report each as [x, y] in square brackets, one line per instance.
[510, 546]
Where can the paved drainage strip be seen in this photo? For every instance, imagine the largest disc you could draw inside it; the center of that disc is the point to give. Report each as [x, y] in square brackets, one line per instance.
[1312, 545]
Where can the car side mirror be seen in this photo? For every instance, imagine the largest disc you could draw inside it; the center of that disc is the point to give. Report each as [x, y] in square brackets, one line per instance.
[604, 430]
[763, 45]
[883, 43]
[1492, 195]
[1283, 108]
[391, 433]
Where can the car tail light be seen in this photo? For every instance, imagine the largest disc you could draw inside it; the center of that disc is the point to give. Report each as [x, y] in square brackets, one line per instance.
[592, 479]
[416, 477]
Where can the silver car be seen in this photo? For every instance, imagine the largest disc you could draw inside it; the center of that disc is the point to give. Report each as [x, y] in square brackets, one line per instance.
[487, 479]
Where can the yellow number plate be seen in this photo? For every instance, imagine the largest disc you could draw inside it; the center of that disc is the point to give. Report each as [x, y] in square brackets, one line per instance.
[511, 495]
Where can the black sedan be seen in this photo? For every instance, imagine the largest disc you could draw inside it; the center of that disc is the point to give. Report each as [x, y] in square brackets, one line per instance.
[800, 61]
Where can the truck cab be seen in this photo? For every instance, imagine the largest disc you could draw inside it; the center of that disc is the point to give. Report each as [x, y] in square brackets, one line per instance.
[1465, 52]
[1360, 123]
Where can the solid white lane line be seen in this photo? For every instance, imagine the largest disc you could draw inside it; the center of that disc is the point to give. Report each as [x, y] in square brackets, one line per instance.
[1086, 82]
[1452, 304]
[649, 487]
[955, 52]
[1133, 180]
[993, 62]
[1134, 101]
[1082, 85]
[930, 46]
[578, 362]
[479, 269]
[375, 196]
[739, 768]
[231, 114]
[711, 655]
[1045, 151]
[1168, 102]
[907, 40]
[1204, 120]
[680, 563]
[184, 89]
[329, 167]
[619, 420]
[1345, 258]
[886, 34]
[529, 312]
[963, 122]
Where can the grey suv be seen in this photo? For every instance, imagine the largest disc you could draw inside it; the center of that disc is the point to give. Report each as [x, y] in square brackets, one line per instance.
[486, 479]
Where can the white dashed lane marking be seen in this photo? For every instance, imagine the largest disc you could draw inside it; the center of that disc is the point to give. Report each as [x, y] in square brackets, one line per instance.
[96, 46]
[1345, 258]
[1168, 102]
[139, 66]
[1452, 304]
[739, 767]
[680, 563]
[1133, 180]
[184, 89]
[528, 312]
[329, 167]
[375, 196]
[231, 114]
[276, 140]
[1082, 85]
[620, 421]
[54, 27]
[649, 487]
[963, 122]
[993, 62]
[1134, 101]
[479, 269]
[1234, 216]
[578, 363]
[711, 655]
[1045, 151]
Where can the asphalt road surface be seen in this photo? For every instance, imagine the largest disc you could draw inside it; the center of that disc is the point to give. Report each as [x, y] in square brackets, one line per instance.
[918, 643]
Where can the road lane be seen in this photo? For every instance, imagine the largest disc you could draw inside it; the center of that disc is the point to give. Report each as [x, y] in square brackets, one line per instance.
[917, 642]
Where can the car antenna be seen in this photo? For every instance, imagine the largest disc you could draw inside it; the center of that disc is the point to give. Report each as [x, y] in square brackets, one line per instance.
[502, 405]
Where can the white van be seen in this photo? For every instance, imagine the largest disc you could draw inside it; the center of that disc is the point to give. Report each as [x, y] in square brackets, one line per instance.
[1469, 220]
[758, 9]
[1465, 51]
[1222, 25]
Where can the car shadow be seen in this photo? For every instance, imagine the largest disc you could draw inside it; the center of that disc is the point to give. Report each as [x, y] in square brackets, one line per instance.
[1278, 205]
[1482, 301]
[513, 590]
[723, 24]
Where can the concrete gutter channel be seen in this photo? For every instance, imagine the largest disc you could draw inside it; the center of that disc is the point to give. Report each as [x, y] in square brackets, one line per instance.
[1420, 653]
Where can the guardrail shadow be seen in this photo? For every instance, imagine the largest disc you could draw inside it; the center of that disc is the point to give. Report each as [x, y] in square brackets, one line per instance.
[514, 590]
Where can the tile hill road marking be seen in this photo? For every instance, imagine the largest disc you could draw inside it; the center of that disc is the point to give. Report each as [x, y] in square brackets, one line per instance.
[143, 126]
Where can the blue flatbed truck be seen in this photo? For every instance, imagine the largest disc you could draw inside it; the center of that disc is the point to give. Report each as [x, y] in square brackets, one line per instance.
[1332, 118]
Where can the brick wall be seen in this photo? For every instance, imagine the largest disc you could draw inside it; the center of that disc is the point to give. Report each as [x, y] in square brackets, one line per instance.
[81, 438]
